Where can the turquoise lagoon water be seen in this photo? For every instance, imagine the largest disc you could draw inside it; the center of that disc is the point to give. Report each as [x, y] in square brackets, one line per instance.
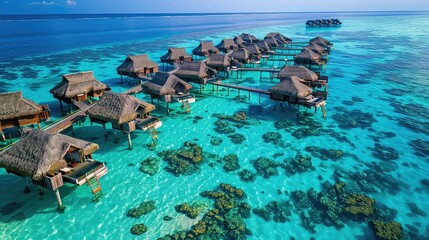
[378, 81]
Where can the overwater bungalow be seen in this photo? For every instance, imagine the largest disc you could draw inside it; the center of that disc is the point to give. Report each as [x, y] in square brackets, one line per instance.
[239, 41]
[321, 41]
[254, 50]
[205, 49]
[295, 92]
[227, 45]
[197, 72]
[16, 111]
[78, 87]
[137, 67]
[176, 55]
[308, 77]
[317, 49]
[51, 160]
[263, 46]
[249, 38]
[126, 113]
[167, 87]
[308, 57]
[241, 55]
[272, 42]
[279, 37]
[323, 23]
[219, 62]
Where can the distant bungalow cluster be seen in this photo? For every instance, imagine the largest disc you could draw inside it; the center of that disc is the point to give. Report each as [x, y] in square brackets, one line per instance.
[50, 159]
[324, 23]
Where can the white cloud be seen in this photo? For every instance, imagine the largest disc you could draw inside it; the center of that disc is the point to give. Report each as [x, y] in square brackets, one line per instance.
[44, 3]
[71, 3]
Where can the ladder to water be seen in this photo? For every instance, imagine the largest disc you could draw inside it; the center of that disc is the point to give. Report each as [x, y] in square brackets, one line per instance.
[154, 135]
[186, 106]
[94, 184]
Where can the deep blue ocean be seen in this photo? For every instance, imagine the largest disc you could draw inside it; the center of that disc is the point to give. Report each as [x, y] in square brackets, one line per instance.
[370, 154]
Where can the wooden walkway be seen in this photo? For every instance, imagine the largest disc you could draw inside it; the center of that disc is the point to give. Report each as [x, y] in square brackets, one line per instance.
[68, 121]
[249, 89]
[271, 70]
[136, 89]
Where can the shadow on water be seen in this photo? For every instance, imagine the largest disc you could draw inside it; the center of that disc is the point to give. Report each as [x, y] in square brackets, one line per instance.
[18, 206]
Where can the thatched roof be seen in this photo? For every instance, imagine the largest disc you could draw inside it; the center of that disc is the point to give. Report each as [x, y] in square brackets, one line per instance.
[272, 41]
[194, 71]
[204, 48]
[307, 55]
[280, 37]
[238, 40]
[298, 71]
[263, 46]
[77, 83]
[174, 54]
[218, 60]
[38, 151]
[253, 49]
[315, 48]
[165, 84]
[13, 105]
[118, 108]
[247, 37]
[227, 44]
[320, 41]
[292, 88]
[241, 55]
[134, 64]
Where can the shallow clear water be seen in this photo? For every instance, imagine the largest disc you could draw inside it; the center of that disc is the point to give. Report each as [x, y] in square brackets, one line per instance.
[378, 72]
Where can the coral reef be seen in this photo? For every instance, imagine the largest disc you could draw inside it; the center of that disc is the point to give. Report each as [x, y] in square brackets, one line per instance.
[150, 166]
[143, 209]
[421, 147]
[282, 124]
[247, 176]
[298, 164]
[224, 221]
[359, 206]
[352, 119]
[223, 127]
[325, 154]
[190, 212]
[273, 137]
[231, 163]
[185, 161]
[265, 167]
[276, 211]
[386, 231]
[216, 141]
[138, 229]
[237, 138]
[384, 153]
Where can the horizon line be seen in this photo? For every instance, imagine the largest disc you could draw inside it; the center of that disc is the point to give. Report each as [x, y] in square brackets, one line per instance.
[202, 13]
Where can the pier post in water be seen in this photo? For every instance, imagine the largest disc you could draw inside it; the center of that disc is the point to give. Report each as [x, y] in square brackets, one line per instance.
[130, 144]
[105, 130]
[61, 207]
[3, 137]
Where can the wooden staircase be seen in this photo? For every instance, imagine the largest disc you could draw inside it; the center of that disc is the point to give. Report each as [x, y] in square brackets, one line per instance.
[95, 185]
[187, 106]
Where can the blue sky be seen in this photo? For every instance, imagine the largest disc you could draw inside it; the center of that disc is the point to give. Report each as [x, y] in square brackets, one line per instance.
[179, 6]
